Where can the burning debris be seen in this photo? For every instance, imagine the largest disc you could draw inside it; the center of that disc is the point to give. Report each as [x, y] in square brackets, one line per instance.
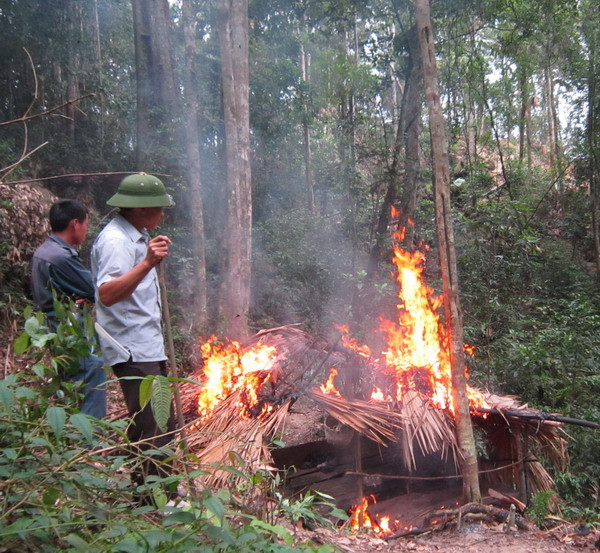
[369, 423]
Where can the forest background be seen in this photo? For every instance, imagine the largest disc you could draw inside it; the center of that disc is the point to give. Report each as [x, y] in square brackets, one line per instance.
[336, 134]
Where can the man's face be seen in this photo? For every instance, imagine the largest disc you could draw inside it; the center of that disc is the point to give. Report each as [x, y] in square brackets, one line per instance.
[80, 229]
[152, 217]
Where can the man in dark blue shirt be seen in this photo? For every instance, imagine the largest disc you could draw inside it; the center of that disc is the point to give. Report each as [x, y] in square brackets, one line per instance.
[56, 265]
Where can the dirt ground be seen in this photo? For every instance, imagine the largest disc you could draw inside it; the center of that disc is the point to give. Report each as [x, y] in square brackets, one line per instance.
[471, 539]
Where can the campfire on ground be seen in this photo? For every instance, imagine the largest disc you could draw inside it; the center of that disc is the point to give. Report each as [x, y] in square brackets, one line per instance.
[366, 427]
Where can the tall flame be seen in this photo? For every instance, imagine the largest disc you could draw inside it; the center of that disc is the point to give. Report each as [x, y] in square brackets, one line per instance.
[229, 368]
[417, 351]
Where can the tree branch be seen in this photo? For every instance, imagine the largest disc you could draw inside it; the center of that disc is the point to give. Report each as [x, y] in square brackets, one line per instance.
[48, 111]
[69, 175]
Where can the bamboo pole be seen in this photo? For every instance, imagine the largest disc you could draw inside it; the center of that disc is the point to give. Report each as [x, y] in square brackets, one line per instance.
[538, 416]
[174, 373]
[170, 346]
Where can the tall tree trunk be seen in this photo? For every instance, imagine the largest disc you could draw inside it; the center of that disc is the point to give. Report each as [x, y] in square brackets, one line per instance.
[407, 124]
[73, 66]
[233, 43]
[525, 112]
[408, 131]
[310, 190]
[158, 103]
[549, 87]
[593, 152]
[441, 174]
[412, 137]
[192, 142]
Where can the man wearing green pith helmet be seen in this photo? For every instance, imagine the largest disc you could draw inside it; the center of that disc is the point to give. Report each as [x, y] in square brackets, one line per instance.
[124, 261]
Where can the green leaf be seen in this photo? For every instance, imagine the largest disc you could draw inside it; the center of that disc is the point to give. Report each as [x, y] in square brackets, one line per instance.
[129, 545]
[39, 370]
[275, 529]
[179, 517]
[41, 340]
[10, 453]
[88, 322]
[146, 390]
[156, 537]
[160, 497]
[32, 326]
[56, 417]
[114, 532]
[234, 471]
[161, 401]
[50, 496]
[21, 343]
[217, 533]
[78, 543]
[82, 423]
[6, 396]
[215, 507]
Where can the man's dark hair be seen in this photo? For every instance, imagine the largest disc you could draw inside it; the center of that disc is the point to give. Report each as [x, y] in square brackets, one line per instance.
[64, 211]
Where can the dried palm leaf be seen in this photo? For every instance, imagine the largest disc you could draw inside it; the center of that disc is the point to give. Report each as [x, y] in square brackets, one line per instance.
[374, 420]
[426, 426]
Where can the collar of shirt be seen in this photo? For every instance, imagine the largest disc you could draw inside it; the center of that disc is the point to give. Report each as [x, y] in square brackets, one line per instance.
[134, 234]
[64, 244]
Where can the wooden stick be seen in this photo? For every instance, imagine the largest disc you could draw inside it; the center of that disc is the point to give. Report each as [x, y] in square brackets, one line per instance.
[538, 416]
[170, 344]
[47, 112]
[69, 175]
[173, 363]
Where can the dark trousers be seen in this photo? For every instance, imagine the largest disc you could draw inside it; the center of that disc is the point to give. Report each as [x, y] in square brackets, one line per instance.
[143, 425]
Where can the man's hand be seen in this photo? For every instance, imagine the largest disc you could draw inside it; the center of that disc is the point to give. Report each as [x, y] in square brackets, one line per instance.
[158, 249]
[122, 287]
[83, 302]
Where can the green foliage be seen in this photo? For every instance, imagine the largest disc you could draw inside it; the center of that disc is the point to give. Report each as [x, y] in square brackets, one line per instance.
[539, 506]
[534, 314]
[156, 390]
[55, 354]
[64, 479]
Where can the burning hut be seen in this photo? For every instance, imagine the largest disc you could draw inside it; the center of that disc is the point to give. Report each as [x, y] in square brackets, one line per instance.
[353, 424]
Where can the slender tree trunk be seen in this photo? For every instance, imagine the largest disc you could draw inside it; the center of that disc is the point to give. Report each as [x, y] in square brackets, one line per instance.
[391, 193]
[408, 130]
[441, 174]
[100, 69]
[305, 69]
[549, 82]
[524, 92]
[158, 103]
[233, 42]
[594, 154]
[412, 139]
[528, 130]
[73, 66]
[193, 168]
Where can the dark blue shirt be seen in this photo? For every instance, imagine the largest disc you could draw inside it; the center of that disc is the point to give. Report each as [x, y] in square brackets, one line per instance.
[57, 265]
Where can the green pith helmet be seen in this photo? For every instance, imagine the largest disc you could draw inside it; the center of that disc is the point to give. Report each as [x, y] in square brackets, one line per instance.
[141, 190]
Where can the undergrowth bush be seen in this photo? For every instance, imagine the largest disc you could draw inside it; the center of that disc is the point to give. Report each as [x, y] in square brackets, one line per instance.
[65, 485]
[533, 312]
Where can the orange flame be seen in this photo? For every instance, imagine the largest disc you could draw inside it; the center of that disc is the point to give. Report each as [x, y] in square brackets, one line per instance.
[360, 519]
[329, 386]
[228, 368]
[351, 343]
[378, 395]
[417, 345]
